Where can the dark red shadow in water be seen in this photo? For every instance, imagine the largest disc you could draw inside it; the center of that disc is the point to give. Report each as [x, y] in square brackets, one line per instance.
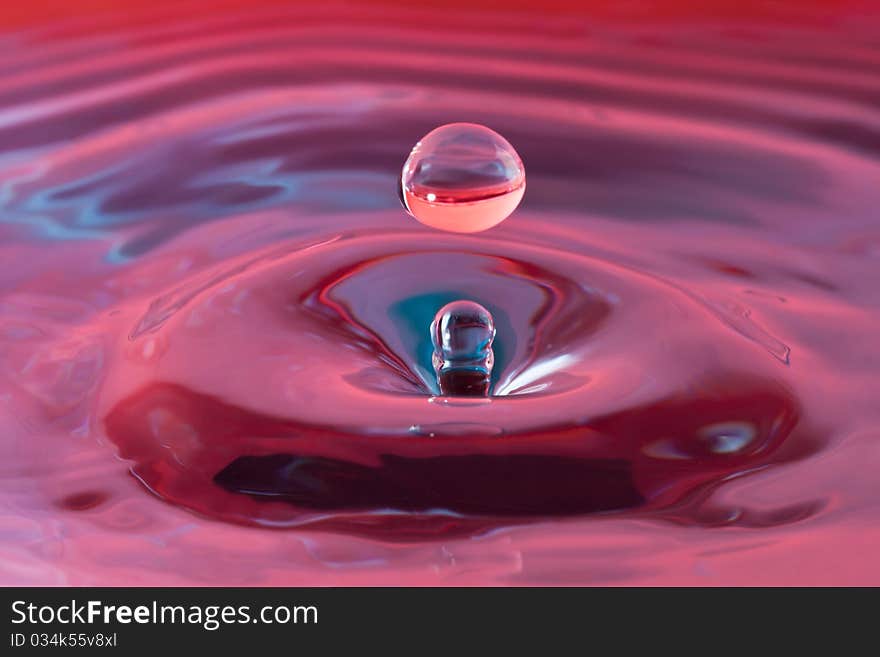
[503, 485]
[229, 463]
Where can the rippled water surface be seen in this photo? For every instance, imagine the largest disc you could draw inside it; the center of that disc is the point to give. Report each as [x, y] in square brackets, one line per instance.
[215, 347]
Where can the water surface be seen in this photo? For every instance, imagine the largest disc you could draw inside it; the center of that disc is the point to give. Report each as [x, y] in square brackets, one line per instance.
[215, 353]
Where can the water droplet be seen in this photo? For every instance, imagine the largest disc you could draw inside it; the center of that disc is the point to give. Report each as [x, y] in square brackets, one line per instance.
[462, 333]
[463, 178]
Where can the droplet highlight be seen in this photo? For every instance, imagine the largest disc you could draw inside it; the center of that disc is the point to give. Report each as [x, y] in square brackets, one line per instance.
[462, 178]
[728, 437]
[462, 333]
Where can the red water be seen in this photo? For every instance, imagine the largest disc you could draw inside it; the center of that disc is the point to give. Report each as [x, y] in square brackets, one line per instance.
[215, 351]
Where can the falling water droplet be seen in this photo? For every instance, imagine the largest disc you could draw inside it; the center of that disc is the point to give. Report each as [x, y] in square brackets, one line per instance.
[463, 178]
[462, 333]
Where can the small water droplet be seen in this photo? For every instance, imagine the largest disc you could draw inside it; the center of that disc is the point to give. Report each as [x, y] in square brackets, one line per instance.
[463, 178]
[462, 333]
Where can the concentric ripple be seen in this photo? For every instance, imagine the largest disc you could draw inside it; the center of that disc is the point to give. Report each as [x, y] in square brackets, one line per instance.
[304, 376]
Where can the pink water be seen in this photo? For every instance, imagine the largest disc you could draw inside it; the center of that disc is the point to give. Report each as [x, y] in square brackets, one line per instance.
[215, 350]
